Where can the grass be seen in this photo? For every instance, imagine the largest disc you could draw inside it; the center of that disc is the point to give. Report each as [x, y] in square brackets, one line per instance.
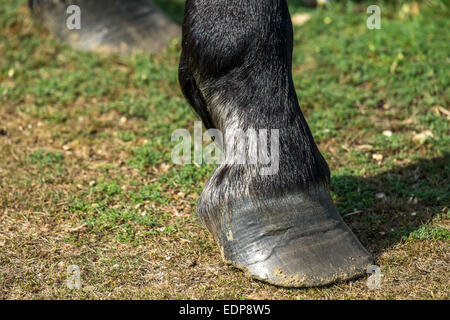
[86, 176]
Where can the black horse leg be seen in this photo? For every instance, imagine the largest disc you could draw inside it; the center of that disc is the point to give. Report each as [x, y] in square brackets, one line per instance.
[192, 92]
[281, 226]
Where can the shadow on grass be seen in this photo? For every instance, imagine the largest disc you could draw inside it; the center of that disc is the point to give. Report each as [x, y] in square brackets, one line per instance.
[397, 204]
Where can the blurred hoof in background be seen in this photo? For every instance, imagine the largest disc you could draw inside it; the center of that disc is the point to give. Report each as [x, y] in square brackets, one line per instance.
[107, 26]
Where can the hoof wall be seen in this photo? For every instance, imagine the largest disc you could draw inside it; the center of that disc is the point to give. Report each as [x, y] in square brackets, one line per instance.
[298, 240]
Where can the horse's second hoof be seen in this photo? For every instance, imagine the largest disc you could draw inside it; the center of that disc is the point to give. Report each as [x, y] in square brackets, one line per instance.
[108, 26]
[296, 240]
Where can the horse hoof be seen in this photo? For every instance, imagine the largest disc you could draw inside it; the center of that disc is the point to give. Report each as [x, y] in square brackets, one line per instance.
[108, 26]
[294, 240]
